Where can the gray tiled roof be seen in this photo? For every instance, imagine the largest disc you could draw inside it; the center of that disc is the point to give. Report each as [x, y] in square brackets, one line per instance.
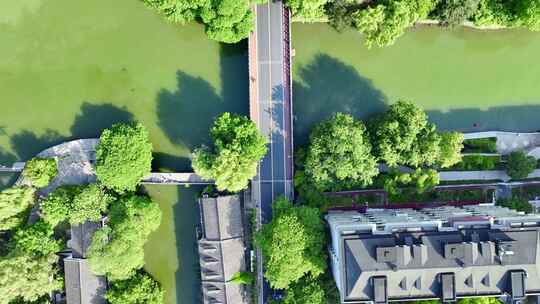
[221, 250]
[81, 238]
[221, 217]
[82, 286]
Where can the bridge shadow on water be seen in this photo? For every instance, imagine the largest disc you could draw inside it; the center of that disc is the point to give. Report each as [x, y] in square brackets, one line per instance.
[186, 114]
[326, 85]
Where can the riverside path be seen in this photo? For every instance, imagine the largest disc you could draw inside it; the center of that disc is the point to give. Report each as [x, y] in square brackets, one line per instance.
[271, 109]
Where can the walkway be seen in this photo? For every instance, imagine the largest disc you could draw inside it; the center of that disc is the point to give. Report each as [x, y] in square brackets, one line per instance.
[508, 142]
[271, 109]
[480, 175]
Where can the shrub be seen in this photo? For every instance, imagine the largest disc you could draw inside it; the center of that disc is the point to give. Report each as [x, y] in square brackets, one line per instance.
[123, 156]
[40, 171]
[481, 145]
[117, 249]
[232, 160]
[516, 203]
[477, 162]
[14, 202]
[245, 278]
[520, 165]
[138, 289]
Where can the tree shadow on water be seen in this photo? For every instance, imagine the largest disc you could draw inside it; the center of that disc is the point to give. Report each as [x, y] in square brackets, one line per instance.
[94, 118]
[327, 86]
[27, 144]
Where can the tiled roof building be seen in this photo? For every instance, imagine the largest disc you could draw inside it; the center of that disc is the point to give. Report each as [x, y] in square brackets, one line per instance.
[221, 250]
[441, 253]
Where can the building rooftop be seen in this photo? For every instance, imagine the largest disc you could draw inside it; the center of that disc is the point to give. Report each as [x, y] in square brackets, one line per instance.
[221, 250]
[82, 286]
[442, 253]
[81, 238]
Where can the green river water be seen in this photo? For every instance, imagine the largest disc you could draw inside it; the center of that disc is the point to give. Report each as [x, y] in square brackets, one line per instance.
[68, 69]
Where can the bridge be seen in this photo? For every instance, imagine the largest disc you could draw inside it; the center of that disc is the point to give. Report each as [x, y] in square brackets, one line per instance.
[270, 108]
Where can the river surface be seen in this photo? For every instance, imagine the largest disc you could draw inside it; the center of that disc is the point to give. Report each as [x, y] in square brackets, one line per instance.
[465, 79]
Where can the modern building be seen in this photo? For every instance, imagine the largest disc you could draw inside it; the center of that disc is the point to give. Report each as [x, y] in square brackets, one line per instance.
[82, 286]
[443, 253]
[222, 250]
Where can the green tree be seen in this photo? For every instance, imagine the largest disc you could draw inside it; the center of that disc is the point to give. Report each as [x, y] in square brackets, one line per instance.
[245, 278]
[232, 160]
[89, 204]
[451, 145]
[140, 288]
[123, 156]
[37, 239]
[516, 203]
[520, 165]
[455, 12]
[403, 136]
[383, 23]
[14, 202]
[340, 13]
[292, 244]
[40, 171]
[339, 154]
[179, 11]
[305, 291]
[227, 21]
[26, 277]
[57, 206]
[117, 249]
[307, 10]
[481, 300]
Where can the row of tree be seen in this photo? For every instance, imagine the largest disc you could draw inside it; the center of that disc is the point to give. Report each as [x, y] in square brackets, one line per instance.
[29, 264]
[343, 152]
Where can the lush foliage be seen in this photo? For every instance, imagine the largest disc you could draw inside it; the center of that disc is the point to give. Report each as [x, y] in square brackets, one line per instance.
[477, 162]
[383, 23]
[481, 300]
[89, 204]
[520, 165]
[305, 291]
[226, 20]
[481, 145]
[509, 13]
[455, 12]
[117, 249]
[451, 146]
[37, 239]
[237, 149]
[339, 154]
[516, 203]
[340, 13]
[141, 288]
[403, 136]
[123, 156]
[421, 179]
[300, 231]
[14, 203]
[76, 204]
[307, 10]
[27, 277]
[40, 171]
[245, 278]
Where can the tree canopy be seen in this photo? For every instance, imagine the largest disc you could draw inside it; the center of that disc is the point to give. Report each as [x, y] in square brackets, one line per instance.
[300, 231]
[89, 204]
[123, 156]
[14, 202]
[140, 288]
[455, 12]
[307, 10]
[520, 165]
[117, 249]
[24, 276]
[37, 239]
[339, 153]
[226, 21]
[236, 151]
[305, 291]
[40, 171]
[384, 22]
[403, 136]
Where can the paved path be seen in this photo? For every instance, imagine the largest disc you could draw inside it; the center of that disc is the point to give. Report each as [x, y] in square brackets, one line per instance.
[508, 142]
[480, 175]
[271, 110]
